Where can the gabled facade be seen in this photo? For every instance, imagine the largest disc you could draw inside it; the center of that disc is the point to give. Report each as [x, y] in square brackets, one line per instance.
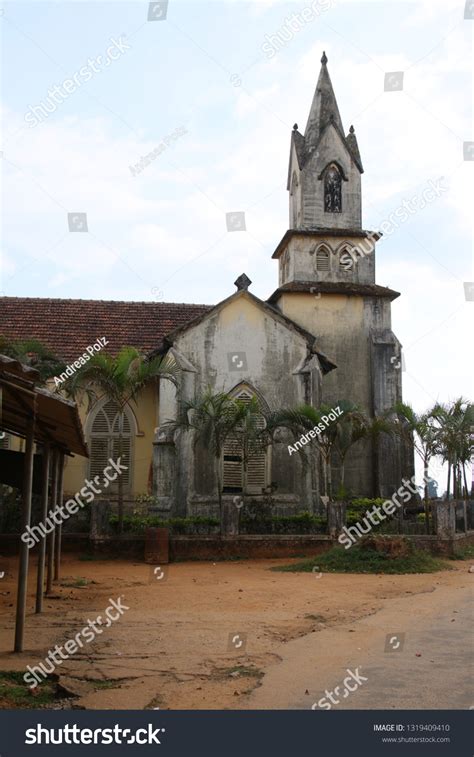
[246, 348]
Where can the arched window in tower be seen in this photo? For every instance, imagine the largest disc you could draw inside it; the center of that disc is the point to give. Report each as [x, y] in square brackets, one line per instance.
[106, 441]
[322, 259]
[332, 189]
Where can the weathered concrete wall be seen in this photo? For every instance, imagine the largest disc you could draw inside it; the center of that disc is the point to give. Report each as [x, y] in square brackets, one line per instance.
[387, 390]
[242, 342]
[339, 323]
[355, 332]
[298, 261]
[254, 547]
[331, 149]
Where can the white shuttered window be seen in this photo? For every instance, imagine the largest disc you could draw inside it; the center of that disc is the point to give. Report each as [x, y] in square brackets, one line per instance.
[233, 464]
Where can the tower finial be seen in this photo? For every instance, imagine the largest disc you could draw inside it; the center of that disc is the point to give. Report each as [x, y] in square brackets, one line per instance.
[324, 59]
[352, 129]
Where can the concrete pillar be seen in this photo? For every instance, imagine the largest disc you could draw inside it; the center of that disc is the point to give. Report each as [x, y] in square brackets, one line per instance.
[25, 522]
[336, 517]
[445, 519]
[165, 468]
[52, 535]
[44, 513]
[57, 553]
[100, 515]
[231, 515]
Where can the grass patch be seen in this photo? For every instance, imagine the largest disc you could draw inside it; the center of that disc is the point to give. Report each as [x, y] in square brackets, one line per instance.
[16, 694]
[77, 583]
[464, 553]
[242, 671]
[363, 560]
[108, 684]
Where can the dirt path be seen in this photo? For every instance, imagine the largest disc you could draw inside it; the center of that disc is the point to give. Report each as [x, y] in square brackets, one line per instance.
[205, 635]
[417, 652]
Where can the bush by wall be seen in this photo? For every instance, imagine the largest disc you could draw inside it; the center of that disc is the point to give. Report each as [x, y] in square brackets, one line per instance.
[137, 524]
[303, 523]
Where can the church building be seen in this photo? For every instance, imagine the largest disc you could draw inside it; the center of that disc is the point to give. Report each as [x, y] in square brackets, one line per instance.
[323, 335]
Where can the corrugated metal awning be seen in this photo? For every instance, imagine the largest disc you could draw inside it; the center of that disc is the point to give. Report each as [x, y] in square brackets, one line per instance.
[57, 419]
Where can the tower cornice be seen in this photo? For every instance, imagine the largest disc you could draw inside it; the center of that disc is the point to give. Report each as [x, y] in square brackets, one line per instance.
[322, 233]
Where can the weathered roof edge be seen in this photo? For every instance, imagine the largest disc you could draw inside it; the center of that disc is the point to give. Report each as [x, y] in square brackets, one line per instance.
[169, 339]
[332, 287]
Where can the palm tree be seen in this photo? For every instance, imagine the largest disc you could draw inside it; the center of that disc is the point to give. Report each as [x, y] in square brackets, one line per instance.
[121, 379]
[251, 433]
[349, 429]
[32, 353]
[421, 430]
[374, 429]
[297, 421]
[213, 418]
[337, 437]
[456, 440]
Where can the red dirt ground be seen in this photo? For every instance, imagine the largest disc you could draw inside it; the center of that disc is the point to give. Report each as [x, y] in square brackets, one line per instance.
[172, 648]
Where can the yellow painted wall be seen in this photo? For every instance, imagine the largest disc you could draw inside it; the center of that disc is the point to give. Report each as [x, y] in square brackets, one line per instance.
[146, 413]
[337, 321]
[330, 312]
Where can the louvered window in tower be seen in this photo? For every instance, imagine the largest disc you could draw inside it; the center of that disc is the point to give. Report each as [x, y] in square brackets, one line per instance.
[346, 261]
[104, 443]
[322, 259]
[245, 471]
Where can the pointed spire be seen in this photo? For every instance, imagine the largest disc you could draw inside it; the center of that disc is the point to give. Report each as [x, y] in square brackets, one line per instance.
[323, 108]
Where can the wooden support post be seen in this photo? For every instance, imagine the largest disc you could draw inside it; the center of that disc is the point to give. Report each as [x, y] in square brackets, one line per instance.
[44, 514]
[51, 536]
[57, 555]
[25, 522]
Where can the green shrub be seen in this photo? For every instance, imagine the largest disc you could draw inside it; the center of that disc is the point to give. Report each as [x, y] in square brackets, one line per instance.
[360, 559]
[137, 524]
[364, 503]
[302, 523]
[421, 518]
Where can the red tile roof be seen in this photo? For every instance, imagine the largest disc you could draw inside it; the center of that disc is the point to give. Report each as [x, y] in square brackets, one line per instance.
[67, 327]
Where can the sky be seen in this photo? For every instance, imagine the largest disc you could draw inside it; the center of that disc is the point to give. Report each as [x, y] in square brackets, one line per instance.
[214, 92]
